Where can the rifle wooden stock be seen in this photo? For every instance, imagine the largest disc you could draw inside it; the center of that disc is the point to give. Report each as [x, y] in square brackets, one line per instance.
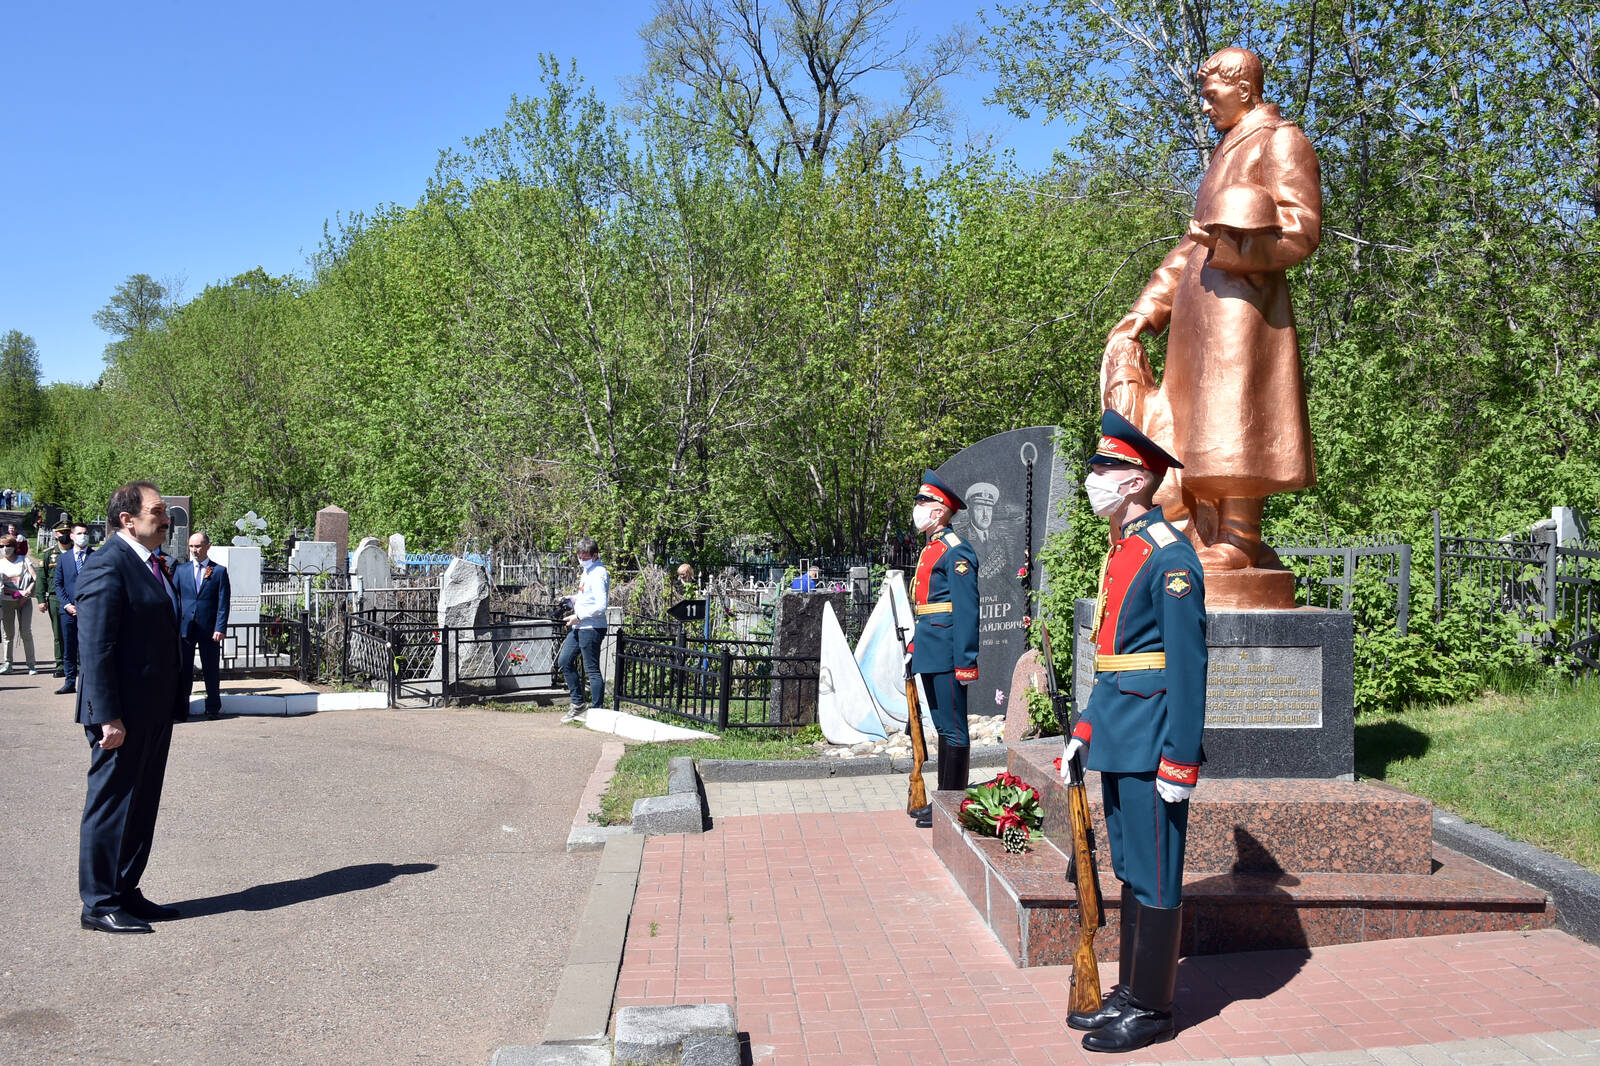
[917, 791]
[1085, 996]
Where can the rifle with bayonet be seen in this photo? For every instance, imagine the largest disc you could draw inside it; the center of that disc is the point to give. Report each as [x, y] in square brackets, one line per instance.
[1081, 871]
[916, 790]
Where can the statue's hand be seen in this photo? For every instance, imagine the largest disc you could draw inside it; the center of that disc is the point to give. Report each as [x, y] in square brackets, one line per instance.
[1225, 253]
[1132, 324]
[1200, 235]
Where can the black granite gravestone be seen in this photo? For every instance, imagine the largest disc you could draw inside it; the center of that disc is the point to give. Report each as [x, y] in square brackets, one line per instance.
[797, 646]
[992, 478]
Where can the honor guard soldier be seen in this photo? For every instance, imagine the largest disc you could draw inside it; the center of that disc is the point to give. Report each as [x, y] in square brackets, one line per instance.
[944, 599]
[1141, 728]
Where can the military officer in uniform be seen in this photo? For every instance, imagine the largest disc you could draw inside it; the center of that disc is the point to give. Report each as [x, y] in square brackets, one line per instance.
[1142, 726]
[944, 599]
[47, 600]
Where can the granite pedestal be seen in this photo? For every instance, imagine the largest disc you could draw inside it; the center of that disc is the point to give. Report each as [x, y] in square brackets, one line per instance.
[1271, 863]
[1280, 691]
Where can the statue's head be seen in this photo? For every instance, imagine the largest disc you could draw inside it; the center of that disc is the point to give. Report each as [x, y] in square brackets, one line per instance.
[1230, 86]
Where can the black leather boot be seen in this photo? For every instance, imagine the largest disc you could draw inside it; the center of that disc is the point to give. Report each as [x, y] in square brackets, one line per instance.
[924, 815]
[1117, 998]
[1152, 982]
[953, 762]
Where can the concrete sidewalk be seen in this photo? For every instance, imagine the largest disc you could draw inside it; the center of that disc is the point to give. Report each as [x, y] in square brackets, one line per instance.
[840, 940]
[361, 886]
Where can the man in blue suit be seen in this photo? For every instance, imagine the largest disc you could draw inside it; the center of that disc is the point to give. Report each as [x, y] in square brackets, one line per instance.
[204, 592]
[944, 599]
[68, 567]
[132, 685]
[1142, 727]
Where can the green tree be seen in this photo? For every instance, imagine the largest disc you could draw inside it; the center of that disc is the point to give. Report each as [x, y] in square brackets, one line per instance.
[22, 405]
[137, 307]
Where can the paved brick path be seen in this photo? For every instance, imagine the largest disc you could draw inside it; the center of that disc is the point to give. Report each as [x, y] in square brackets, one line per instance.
[842, 941]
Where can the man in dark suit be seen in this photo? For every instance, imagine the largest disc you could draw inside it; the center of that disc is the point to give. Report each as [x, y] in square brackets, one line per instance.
[132, 686]
[204, 592]
[68, 567]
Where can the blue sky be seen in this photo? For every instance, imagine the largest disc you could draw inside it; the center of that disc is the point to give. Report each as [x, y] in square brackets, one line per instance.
[193, 142]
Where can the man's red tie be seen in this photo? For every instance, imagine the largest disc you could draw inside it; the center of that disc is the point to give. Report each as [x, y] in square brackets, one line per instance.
[155, 567]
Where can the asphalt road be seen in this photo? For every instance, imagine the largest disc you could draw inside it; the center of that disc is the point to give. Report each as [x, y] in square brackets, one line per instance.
[367, 886]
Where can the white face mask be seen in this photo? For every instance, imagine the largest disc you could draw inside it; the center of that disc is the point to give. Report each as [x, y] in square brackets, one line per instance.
[922, 517]
[1104, 498]
[80, 539]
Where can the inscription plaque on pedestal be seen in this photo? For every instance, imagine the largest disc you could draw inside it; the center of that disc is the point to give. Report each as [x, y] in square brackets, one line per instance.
[1280, 691]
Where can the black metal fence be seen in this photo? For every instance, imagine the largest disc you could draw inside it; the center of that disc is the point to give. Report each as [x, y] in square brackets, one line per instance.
[1533, 578]
[721, 684]
[415, 658]
[1326, 571]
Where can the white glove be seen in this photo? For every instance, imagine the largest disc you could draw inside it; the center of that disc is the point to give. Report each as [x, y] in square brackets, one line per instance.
[1173, 793]
[1074, 747]
[965, 681]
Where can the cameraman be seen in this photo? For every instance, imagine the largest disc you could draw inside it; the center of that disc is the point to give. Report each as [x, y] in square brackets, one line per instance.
[586, 628]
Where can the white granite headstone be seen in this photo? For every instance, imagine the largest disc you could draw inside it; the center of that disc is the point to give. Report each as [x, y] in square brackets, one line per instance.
[313, 557]
[397, 549]
[371, 567]
[244, 585]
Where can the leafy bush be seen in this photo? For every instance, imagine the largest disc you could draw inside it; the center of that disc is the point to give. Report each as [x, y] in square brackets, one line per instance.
[1471, 646]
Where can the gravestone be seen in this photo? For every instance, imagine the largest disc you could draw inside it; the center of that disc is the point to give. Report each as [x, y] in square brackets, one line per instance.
[797, 645]
[333, 524]
[397, 549]
[992, 478]
[371, 566]
[1280, 691]
[1029, 675]
[464, 607]
[178, 512]
[312, 556]
[244, 588]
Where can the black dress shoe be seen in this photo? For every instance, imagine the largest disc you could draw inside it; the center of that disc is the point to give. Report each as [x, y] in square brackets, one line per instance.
[142, 908]
[1131, 1030]
[58, 673]
[70, 686]
[1113, 1006]
[115, 922]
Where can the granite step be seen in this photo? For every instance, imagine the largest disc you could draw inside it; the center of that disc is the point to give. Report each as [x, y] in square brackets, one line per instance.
[1032, 909]
[1265, 825]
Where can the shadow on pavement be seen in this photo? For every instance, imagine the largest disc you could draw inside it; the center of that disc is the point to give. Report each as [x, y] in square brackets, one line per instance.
[303, 889]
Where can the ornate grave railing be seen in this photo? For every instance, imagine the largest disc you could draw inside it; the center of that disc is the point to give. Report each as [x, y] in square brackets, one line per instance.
[1532, 577]
[271, 646]
[722, 684]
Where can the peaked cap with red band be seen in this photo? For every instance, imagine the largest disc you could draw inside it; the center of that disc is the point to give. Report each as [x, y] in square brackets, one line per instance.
[1120, 442]
[938, 491]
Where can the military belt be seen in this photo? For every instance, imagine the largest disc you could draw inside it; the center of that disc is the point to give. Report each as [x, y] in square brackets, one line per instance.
[934, 608]
[1139, 660]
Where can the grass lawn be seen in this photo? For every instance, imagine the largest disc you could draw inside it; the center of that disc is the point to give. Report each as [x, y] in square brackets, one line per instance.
[642, 771]
[1526, 764]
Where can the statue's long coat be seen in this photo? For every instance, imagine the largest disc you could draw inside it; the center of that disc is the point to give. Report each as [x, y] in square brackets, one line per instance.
[1232, 382]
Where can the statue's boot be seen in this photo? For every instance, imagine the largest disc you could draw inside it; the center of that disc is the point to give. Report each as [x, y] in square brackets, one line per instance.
[1117, 998]
[1237, 543]
[1152, 983]
[923, 815]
